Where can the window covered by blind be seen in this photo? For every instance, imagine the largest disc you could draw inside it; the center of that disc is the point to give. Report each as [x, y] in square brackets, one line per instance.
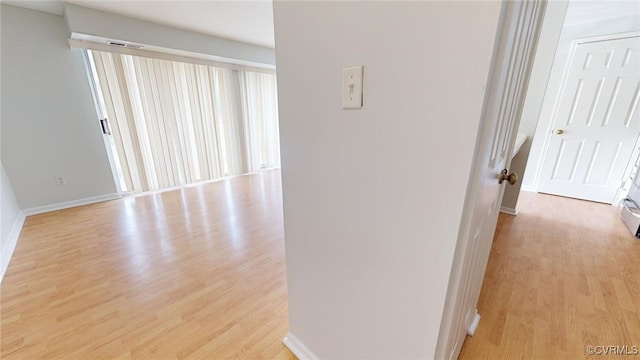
[177, 123]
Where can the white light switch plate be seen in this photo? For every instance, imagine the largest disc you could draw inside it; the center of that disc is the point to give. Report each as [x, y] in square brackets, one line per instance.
[352, 87]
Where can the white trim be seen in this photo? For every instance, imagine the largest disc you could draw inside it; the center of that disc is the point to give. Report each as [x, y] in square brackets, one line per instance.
[300, 350]
[515, 43]
[528, 188]
[70, 204]
[507, 210]
[101, 114]
[600, 38]
[175, 55]
[11, 243]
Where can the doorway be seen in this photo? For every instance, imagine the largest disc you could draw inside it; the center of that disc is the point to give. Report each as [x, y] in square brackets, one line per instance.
[567, 24]
[563, 23]
[596, 123]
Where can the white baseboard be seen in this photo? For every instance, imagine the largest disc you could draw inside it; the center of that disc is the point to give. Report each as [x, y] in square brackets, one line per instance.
[70, 204]
[509, 211]
[528, 189]
[300, 350]
[11, 242]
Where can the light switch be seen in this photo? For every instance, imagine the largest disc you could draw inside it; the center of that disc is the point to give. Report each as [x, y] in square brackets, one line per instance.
[352, 87]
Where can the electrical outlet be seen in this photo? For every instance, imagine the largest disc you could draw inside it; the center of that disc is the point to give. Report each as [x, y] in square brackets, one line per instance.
[61, 181]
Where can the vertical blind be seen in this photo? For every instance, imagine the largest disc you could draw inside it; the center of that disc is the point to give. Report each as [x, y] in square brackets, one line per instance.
[176, 123]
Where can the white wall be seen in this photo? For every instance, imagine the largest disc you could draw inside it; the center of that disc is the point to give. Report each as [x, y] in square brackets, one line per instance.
[11, 221]
[589, 24]
[373, 198]
[49, 123]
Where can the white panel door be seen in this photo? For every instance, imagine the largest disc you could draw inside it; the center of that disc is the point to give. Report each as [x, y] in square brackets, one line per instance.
[505, 98]
[596, 121]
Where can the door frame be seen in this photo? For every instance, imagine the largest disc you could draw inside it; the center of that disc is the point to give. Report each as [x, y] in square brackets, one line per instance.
[601, 38]
[621, 192]
[451, 336]
[547, 131]
[96, 94]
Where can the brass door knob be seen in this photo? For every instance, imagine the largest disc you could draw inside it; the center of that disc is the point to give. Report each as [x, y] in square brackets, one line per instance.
[559, 131]
[511, 178]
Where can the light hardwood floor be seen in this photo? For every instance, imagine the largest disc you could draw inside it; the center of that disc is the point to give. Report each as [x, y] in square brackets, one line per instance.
[563, 275]
[194, 273]
[199, 273]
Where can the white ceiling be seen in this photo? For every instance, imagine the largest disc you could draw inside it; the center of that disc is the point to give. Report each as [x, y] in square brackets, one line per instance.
[251, 21]
[246, 21]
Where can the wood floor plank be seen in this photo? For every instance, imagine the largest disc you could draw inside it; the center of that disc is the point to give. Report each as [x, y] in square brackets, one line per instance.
[571, 273]
[199, 273]
[196, 273]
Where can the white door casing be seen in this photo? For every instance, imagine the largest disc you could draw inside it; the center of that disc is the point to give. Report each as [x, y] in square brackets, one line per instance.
[101, 112]
[513, 59]
[596, 120]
